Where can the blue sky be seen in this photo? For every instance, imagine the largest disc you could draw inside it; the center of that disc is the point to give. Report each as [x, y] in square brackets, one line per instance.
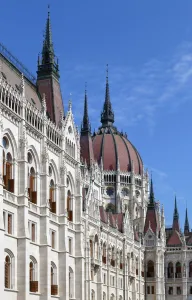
[148, 46]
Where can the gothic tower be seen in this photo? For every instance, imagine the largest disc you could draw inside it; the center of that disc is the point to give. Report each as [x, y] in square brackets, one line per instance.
[48, 77]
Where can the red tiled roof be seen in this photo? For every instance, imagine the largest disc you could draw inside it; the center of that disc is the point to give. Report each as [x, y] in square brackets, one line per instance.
[113, 147]
[113, 218]
[151, 219]
[86, 148]
[174, 239]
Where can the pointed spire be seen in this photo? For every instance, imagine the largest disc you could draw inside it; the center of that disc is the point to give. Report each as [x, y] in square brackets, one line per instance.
[176, 217]
[85, 128]
[107, 116]
[151, 196]
[186, 227]
[48, 51]
[176, 214]
[47, 61]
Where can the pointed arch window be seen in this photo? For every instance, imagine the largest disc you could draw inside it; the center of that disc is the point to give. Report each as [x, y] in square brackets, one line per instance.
[150, 269]
[7, 167]
[69, 206]
[104, 259]
[52, 201]
[32, 186]
[170, 272]
[178, 273]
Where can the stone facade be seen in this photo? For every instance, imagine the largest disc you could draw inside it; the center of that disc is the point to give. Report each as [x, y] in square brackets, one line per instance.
[70, 228]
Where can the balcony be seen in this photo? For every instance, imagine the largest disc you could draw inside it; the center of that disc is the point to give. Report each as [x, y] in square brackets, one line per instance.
[33, 286]
[54, 289]
[178, 275]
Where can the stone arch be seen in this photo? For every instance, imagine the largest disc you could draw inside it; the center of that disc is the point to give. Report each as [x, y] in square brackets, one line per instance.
[71, 181]
[55, 170]
[7, 132]
[35, 155]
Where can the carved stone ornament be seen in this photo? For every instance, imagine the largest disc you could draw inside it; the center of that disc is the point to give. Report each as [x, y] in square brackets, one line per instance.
[45, 155]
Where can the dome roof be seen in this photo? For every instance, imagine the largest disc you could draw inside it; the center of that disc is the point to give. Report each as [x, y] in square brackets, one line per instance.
[115, 148]
[108, 144]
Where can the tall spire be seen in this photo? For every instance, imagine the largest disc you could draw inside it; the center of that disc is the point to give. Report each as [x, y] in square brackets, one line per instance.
[186, 226]
[176, 217]
[85, 128]
[151, 196]
[107, 116]
[176, 214]
[47, 63]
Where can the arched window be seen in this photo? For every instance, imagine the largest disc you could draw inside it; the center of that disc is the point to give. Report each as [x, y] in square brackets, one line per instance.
[92, 295]
[7, 166]
[178, 270]
[170, 272]
[96, 247]
[33, 283]
[112, 297]
[121, 260]
[104, 296]
[137, 266]
[150, 269]
[71, 282]
[7, 272]
[32, 184]
[142, 268]
[52, 201]
[113, 257]
[190, 269]
[54, 286]
[69, 206]
[91, 248]
[104, 254]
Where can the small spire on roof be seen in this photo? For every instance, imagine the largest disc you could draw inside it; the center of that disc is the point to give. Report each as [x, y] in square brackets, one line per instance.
[107, 115]
[85, 128]
[186, 227]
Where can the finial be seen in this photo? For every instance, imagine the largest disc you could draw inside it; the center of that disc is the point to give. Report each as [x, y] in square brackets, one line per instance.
[48, 9]
[70, 103]
[107, 72]
[22, 85]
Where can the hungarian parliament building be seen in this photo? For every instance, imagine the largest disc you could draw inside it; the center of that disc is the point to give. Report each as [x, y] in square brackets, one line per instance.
[78, 214]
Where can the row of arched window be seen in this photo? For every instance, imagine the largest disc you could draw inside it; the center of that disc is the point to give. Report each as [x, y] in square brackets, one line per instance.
[115, 257]
[33, 275]
[177, 270]
[8, 178]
